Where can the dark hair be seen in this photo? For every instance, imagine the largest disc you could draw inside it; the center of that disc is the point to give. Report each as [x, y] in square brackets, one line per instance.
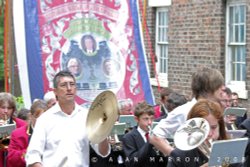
[228, 91]
[23, 114]
[60, 75]
[175, 100]
[165, 92]
[143, 107]
[206, 81]
[88, 36]
[235, 94]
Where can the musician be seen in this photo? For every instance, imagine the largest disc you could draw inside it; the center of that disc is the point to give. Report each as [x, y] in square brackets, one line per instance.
[226, 102]
[206, 82]
[20, 137]
[59, 137]
[138, 151]
[235, 103]
[7, 116]
[161, 110]
[246, 125]
[212, 112]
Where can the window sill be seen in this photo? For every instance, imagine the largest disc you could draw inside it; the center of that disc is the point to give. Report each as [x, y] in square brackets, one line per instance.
[162, 82]
[240, 88]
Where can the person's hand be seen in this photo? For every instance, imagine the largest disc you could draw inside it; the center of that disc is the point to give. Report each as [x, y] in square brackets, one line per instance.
[111, 139]
[230, 119]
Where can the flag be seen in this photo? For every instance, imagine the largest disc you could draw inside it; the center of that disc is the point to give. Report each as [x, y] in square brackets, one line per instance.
[99, 41]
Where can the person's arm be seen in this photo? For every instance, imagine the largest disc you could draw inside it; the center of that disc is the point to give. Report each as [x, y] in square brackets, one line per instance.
[161, 144]
[36, 146]
[104, 147]
[136, 155]
[17, 148]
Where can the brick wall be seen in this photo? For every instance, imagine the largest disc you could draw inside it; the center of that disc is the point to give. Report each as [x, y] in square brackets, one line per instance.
[196, 38]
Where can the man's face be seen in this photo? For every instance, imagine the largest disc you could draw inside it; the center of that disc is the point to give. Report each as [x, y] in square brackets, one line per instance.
[74, 67]
[235, 101]
[66, 89]
[110, 67]
[226, 100]
[144, 121]
[89, 44]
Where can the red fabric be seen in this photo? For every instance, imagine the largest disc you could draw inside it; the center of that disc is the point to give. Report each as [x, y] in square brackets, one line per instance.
[147, 136]
[157, 111]
[19, 123]
[17, 147]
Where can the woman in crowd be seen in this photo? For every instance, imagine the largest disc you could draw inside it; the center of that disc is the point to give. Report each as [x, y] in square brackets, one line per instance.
[212, 112]
[20, 137]
[7, 116]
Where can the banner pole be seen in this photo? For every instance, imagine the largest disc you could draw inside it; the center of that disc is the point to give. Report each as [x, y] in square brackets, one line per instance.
[5, 44]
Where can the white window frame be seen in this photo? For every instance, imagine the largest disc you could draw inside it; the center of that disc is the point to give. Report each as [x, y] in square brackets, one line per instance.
[162, 77]
[235, 86]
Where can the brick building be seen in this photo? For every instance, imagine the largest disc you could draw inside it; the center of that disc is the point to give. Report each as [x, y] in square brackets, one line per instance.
[186, 34]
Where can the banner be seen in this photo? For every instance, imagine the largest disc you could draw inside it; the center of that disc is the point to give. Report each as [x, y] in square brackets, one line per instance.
[98, 41]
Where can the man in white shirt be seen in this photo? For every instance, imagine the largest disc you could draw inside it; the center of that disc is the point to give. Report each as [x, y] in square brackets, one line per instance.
[59, 137]
[206, 83]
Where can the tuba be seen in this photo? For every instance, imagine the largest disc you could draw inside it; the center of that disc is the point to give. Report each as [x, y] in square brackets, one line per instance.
[102, 115]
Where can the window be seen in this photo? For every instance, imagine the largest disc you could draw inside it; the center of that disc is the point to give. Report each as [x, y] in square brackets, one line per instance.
[236, 47]
[161, 47]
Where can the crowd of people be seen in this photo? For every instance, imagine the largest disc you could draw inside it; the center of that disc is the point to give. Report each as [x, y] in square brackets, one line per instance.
[53, 131]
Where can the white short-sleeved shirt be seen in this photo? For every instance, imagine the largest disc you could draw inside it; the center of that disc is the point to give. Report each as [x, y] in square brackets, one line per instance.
[60, 138]
[167, 127]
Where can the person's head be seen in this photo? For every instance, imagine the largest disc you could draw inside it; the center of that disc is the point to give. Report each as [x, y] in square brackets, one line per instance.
[164, 93]
[50, 98]
[174, 100]
[226, 98]
[110, 66]
[144, 115]
[64, 86]
[23, 114]
[37, 108]
[74, 66]
[88, 43]
[235, 99]
[212, 112]
[7, 105]
[207, 82]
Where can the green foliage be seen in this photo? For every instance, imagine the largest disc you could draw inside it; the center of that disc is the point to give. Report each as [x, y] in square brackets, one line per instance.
[19, 102]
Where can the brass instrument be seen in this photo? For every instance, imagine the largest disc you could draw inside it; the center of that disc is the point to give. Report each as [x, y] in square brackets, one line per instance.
[102, 115]
[5, 131]
[193, 134]
[118, 129]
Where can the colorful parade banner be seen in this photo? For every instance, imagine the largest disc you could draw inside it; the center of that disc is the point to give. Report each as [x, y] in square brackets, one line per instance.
[99, 41]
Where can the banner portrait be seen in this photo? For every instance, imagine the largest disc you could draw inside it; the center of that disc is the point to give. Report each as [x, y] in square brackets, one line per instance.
[98, 41]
